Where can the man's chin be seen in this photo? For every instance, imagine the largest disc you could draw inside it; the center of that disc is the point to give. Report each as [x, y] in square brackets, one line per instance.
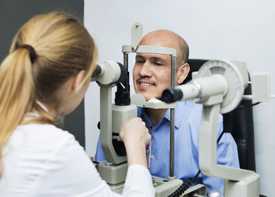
[147, 96]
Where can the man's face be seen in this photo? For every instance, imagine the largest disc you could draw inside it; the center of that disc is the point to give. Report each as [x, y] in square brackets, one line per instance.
[151, 74]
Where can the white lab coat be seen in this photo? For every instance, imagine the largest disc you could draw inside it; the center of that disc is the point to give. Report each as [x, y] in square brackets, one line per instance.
[44, 161]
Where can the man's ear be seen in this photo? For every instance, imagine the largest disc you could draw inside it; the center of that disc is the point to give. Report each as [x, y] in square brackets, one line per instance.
[182, 72]
[77, 81]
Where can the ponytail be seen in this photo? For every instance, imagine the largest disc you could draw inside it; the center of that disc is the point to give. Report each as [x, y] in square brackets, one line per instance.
[16, 91]
[46, 51]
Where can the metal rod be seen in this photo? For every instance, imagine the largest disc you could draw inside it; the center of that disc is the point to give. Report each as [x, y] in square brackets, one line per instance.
[172, 143]
[172, 120]
[173, 71]
[125, 59]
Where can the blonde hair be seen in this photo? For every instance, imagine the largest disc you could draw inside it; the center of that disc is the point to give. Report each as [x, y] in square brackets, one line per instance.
[45, 52]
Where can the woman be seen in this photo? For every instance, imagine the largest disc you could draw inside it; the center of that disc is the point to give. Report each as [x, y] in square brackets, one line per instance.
[44, 77]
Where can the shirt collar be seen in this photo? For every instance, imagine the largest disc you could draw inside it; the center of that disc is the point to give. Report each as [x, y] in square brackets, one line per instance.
[182, 111]
[144, 116]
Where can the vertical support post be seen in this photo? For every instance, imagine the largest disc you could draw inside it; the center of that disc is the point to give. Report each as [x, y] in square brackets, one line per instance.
[172, 120]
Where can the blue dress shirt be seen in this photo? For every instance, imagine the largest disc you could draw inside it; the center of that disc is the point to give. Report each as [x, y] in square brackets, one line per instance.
[188, 117]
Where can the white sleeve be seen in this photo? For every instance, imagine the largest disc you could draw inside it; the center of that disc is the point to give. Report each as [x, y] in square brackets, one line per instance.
[138, 182]
[73, 174]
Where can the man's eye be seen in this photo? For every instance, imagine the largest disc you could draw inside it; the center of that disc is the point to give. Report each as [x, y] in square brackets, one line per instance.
[139, 61]
[158, 63]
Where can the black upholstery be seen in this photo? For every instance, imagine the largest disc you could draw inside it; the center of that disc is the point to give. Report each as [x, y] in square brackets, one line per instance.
[239, 122]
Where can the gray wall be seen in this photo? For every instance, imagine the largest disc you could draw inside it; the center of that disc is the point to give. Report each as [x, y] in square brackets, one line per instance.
[13, 13]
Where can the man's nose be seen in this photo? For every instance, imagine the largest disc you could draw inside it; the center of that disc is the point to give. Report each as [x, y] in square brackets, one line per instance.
[145, 69]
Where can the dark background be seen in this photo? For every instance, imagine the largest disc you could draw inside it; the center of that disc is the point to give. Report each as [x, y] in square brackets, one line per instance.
[14, 13]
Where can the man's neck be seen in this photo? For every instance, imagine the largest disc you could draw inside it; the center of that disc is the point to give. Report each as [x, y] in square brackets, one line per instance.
[156, 114]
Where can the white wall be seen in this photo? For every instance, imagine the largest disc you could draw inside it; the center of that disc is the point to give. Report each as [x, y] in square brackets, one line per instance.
[235, 30]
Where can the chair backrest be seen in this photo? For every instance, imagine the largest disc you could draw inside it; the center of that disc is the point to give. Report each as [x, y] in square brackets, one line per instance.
[238, 122]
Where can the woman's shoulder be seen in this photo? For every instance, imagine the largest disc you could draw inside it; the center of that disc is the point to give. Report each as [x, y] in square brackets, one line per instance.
[43, 131]
[39, 137]
[40, 154]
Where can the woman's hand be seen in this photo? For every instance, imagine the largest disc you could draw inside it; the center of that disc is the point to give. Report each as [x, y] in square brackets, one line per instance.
[135, 136]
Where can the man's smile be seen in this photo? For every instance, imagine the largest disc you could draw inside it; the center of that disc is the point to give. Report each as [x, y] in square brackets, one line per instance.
[143, 84]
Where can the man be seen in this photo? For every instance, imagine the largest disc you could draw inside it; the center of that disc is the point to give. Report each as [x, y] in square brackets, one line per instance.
[151, 76]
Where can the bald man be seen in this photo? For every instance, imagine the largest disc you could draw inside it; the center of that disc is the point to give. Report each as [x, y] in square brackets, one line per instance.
[151, 75]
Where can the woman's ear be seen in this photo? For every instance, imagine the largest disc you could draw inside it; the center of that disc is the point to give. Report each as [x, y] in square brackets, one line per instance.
[182, 72]
[77, 81]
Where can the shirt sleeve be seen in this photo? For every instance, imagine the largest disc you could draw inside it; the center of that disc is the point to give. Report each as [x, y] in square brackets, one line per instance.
[71, 173]
[138, 182]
